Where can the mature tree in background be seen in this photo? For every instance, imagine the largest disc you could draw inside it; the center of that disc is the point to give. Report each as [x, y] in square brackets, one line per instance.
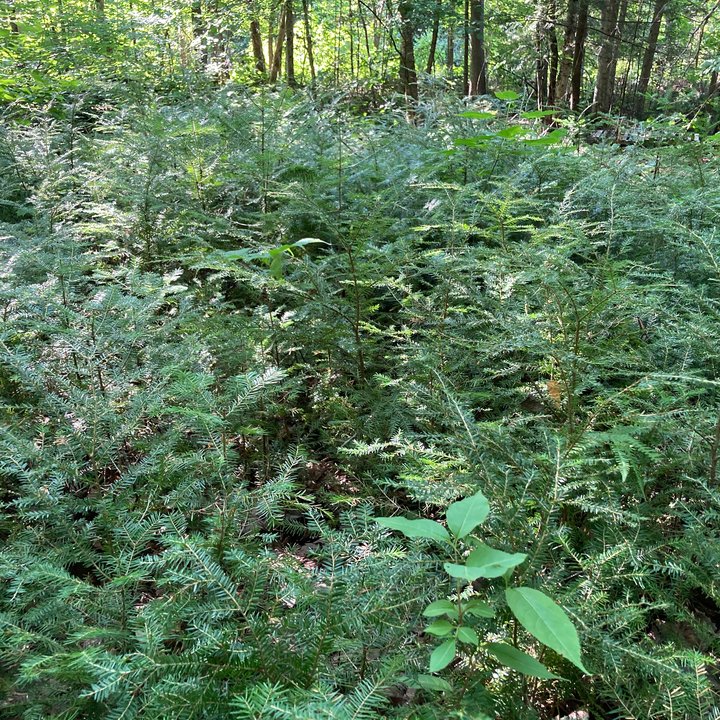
[408, 72]
[309, 38]
[578, 61]
[607, 59]
[478, 67]
[290, 43]
[257, 46]
[434, 37]
[568, 49]
[649, 56]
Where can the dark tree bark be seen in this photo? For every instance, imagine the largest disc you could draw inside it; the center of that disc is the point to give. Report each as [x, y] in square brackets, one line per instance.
[257, 46]
[581, 31]
[478, 69]
[605, 81]
[541, 61]
[649, 56]
[408, 72]
[568, 48]
[466, 49]
[308, 38]
[622, 17]
[278, 52]
[713, 86]
[434, 38]
[450, 54]
[290, 43]
[554, 53]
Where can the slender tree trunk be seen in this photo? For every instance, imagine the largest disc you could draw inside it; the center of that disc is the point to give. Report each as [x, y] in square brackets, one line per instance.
[554, 53]
[713, 86]
[290, 43]
[622, 17]
[566, 61]
[602, 99]
[366, 36]
[450, 54]
[100, 8]
[579, 54]
[649, 56]
[478, 70]
[277, 53]
[434, 37]
[257, 46]
[408, 72]
[541, 61]
[308, 38]
[466, 49]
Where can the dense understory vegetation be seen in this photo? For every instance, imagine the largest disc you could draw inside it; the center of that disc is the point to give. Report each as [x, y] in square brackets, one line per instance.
[200, 420]
[249, 332]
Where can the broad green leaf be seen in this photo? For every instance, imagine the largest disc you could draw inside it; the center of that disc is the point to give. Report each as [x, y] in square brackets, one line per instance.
[242, 254]
[477, 141]
[478, 608]
[440, 607]
[520, 661]
[512, 131]
[494, 562]
[477, 115]
[463, 572]
[547, 621]
[552, 138]
[533, 114]
[439, 628]
[465, 515]
[434, 684]
[467, 635]
[421, 528]
[442, 655]
[507, 95]
[276, 267]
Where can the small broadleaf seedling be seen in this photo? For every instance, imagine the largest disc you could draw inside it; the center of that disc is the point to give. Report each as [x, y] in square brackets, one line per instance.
[534, 610]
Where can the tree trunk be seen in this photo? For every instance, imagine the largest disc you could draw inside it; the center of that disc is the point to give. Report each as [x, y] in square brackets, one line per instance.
[290, 43]
[622, 17]
[713, 86]
[466, 49]
[308, 38]
[450, 55]
[478, 70]
[649, 56]
[408, 73]
[100, 8]
[602, 99]
[554, 53]
[257, 46]
[434, 37]
[579, 54]
[277, 53]
[566, 61]
[541, 61]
